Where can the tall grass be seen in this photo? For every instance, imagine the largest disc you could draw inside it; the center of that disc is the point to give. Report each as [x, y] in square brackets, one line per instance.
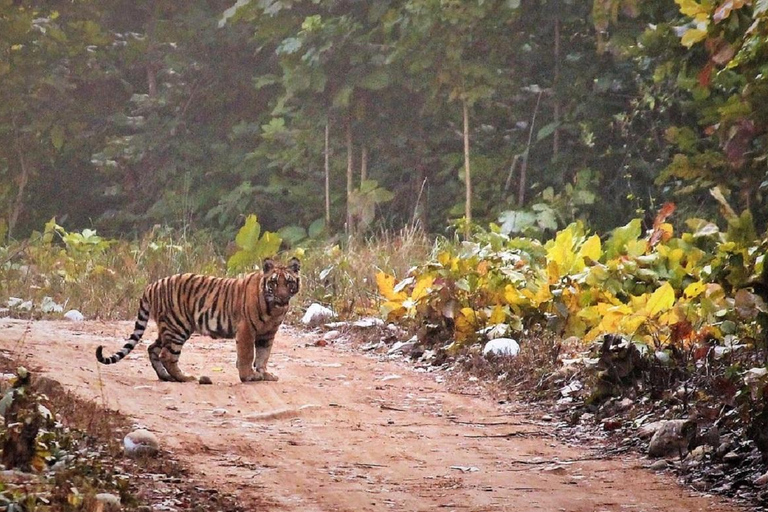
[344, 277]
[104, 279]
[101, 278]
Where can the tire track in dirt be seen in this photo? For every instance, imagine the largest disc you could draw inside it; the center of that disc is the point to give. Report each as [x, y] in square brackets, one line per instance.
[342, 431]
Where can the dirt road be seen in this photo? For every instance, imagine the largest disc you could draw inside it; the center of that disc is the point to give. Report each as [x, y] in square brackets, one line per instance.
[342, 431]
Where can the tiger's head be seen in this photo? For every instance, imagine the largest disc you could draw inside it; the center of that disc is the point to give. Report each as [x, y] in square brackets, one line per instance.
[281, 282]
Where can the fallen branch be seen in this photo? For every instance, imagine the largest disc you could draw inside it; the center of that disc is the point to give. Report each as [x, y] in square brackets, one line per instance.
[391, 408]
[487, 423]
[510, 434]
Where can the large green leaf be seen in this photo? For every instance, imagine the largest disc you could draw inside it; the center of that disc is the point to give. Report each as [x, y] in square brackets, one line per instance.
[621, 237]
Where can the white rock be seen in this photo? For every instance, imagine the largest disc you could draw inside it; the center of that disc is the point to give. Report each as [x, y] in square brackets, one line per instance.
[108, 499]
[761, 480]
[571, 388]
[646, 431]
[74, 315]
[502, 347]
[428, 355]
[672, 438]
[141, 442]
[403, 347]
[316, 314]
[331, 335]
[367, 322]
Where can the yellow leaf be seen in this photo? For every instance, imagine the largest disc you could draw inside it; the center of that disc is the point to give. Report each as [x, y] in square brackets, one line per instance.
[542, 295]
[422, 288]
[393, 310]
[693, 36]
[592, 248]
[661, 300]
[636, 247]
[513, 296]
[561, 252]
[694, 289]
[386, 285]
[465, 324]
[444, 258]
[498, 315]
[691, 8]
[553, 272]
[671, 317]
[590, 314]
[630, 324]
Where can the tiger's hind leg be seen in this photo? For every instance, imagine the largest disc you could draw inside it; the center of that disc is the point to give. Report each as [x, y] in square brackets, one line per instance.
[154, 358]
[172, 342]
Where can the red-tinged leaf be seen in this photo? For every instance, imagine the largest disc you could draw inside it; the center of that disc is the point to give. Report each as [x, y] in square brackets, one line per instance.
[661, 231]
[723, 11]
[739, 139]
[665, 211]
[724, 54]
[725, 388]
[705, 75]
[701, 352]
[681, 331]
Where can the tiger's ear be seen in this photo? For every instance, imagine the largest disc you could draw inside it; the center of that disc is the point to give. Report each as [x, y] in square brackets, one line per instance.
[294, 265]
[267, 265]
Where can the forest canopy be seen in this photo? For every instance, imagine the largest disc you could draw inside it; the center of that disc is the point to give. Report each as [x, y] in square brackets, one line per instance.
[340, 115]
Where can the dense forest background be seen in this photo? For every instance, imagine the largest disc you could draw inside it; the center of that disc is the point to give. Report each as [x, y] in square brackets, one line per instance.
[341, 115]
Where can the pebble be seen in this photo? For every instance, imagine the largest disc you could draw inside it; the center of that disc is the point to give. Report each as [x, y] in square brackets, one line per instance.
[204, 379]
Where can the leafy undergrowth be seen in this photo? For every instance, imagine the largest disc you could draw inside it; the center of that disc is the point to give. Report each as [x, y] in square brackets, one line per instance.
[686, 305]
[60, 452]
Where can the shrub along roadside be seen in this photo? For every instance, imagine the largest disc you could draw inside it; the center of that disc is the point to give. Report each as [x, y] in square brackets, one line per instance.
[76, 454]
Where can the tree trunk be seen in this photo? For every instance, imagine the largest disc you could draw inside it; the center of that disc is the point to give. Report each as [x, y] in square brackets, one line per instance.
[350, 176]
[327, 175]
[363, 164]
[467, 173]
[21, 182]
[524, 165]
[556, 81]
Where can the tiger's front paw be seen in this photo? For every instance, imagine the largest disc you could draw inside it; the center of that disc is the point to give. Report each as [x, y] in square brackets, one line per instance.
[250, 377]
[269, 376]
[258, 376]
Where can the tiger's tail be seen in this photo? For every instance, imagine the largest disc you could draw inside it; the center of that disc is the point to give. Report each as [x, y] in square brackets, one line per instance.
[138, 332]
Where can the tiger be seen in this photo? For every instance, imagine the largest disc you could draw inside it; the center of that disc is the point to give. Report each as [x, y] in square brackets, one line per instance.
[249, 309]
